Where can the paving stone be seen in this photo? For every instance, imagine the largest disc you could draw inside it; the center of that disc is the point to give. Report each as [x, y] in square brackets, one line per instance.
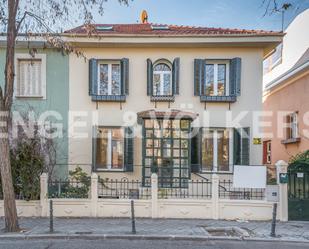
[177, 227]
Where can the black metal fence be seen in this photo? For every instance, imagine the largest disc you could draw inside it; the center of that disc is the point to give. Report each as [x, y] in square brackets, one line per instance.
[227, 191]
[196, 189]
[123, 189]
[69, 189]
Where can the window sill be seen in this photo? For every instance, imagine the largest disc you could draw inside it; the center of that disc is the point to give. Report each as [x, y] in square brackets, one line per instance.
[109, 98]
[163, 98]
[109, 170]
[228, 99]
[30, 97]
[291, 140]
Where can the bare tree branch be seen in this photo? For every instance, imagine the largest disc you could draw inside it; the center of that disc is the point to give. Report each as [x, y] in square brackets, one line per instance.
[20, 21]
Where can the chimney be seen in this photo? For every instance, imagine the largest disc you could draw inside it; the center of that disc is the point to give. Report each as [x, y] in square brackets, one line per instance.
[144, 17]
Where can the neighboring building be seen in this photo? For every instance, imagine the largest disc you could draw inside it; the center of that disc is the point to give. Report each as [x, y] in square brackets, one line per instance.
[42, 84]
[286, 83]
[178, 74]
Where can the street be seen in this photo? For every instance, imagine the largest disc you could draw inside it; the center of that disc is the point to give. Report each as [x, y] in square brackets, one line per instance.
[144, 244]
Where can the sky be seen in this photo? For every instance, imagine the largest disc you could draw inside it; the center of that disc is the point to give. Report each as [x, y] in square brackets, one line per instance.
[244, 14]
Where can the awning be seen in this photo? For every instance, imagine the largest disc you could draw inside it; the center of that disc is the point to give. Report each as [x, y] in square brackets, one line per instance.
[171, 114]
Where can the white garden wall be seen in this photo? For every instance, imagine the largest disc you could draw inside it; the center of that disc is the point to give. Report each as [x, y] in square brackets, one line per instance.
[193, 208]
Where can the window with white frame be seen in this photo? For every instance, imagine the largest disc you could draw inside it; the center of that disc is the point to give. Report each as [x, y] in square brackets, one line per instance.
[216, 78]
[110, 149]
[109, 78]
[162, 79]
[273, 60]
[292, 126]
[30, 76]
[217, 148]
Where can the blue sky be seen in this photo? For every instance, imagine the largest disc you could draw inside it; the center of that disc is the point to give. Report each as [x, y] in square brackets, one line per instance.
[247, 14]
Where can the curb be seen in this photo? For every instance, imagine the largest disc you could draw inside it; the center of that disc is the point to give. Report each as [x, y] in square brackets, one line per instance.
[143, 237]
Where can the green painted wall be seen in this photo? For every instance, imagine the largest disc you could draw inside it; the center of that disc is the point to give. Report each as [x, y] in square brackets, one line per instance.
[57, 98]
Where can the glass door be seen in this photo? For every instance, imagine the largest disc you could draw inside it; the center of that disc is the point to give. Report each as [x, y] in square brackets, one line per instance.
[166, 151]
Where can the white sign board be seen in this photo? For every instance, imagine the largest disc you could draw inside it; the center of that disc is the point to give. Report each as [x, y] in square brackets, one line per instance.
[249, 176]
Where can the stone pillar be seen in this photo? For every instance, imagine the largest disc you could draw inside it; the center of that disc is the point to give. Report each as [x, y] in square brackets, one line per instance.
[282, 167]
[44, 194]
[154, 195]
[94, 194]
[215, 196]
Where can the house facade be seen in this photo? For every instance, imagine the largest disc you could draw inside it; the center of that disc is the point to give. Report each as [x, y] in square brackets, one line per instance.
[286, 77]
[169, 99]
[42, 88]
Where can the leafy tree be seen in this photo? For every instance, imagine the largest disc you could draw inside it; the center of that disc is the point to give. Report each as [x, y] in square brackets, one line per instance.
[31, 16]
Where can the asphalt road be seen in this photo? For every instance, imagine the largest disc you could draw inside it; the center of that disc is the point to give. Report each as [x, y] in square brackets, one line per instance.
[144, 244]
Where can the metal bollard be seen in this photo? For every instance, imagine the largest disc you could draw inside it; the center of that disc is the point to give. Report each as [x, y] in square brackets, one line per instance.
[273, 223]
[133, 217]
[51, 217]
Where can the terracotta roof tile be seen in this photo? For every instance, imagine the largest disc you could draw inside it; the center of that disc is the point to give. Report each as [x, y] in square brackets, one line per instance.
[173, 30]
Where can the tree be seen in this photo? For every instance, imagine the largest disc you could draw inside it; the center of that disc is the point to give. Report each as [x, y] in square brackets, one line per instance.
[31, 16]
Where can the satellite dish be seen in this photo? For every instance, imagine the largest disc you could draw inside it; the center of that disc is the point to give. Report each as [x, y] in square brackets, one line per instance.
[144, 17]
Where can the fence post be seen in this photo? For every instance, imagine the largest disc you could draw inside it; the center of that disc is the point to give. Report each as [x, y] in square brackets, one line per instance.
[282, 167]
[94, 194]
[44, 194]
[154, 195]
[215, 196]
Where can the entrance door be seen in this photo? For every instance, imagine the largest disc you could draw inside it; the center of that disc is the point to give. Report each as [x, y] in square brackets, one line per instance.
[298, 192]
[166, 151]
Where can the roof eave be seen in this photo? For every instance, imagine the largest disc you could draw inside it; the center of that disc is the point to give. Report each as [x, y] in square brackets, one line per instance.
[287, 76]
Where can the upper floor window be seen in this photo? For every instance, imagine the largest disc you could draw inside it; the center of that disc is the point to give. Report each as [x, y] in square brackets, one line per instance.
[109, 78]
[273, 60]
[216, 80]
[162, 79]
[30, 76]
[292, 123]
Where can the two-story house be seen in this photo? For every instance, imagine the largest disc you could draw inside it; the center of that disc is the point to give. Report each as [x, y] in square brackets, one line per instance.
[146, 87]
[41, 88]
[286, 92]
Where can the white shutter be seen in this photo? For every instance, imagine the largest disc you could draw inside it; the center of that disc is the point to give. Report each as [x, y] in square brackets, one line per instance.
[29, 78]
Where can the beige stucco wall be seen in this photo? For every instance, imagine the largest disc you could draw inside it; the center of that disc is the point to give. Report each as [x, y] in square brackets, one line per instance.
[289, 97]
[110, 114]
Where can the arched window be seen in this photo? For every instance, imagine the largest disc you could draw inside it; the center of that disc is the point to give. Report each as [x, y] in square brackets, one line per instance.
[162, 79]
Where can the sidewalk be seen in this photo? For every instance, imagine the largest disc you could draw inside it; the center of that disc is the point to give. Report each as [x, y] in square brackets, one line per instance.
[157, 228]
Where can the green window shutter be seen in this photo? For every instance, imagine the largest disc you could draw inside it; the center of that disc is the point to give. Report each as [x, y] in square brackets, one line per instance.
[93, 77]
[199, 76]
[235, 76]
[149, 77]
[176, 65]
[124, 63]
[242, 146]
[94, 146]
[195, 153]
[245, 148]
[236, 146]
[128, 149]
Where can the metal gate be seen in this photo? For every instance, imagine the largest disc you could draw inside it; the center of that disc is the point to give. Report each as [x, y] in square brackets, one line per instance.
[298, 191]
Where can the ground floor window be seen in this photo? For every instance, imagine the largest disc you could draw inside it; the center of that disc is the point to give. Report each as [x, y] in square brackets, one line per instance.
[166, 151]
[217, 148]
[110, 148]
[267, 152]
